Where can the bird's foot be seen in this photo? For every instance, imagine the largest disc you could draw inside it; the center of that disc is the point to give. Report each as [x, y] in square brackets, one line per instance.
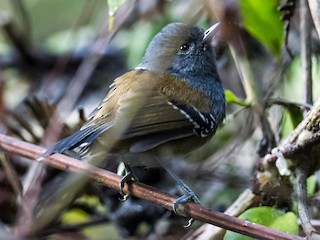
[129, 176]
[189, 195]
[183, 200]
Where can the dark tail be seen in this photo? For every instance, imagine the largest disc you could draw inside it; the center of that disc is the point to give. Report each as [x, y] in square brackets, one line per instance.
[81, 138]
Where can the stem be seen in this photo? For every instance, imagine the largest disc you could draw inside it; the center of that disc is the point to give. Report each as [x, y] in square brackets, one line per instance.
[305, 42]
[301, 175]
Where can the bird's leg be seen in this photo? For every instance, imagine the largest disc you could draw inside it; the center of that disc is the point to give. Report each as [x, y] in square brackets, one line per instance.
[189, 194]
[186, 197]
[128, 176]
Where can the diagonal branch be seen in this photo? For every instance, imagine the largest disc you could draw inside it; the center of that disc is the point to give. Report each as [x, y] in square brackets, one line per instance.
[143, 191]
[304, 137]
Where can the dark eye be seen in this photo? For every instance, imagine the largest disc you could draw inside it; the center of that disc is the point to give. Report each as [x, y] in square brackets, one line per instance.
[184, 47]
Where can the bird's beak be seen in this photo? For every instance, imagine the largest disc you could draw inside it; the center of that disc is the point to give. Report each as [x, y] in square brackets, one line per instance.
[208, 34]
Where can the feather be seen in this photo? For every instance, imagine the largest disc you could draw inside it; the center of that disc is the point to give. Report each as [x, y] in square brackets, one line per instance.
[81, 138]
[142, 113]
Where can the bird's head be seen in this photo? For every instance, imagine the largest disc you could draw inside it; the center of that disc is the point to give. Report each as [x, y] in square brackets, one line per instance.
[181, 50]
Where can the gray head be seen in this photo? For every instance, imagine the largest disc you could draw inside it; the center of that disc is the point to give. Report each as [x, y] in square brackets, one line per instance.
[180, 50]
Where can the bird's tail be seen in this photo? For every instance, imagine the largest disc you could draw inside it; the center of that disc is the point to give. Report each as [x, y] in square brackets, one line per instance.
[81, 139]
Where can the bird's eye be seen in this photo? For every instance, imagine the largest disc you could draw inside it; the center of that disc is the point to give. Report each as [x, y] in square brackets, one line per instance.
[184, 47]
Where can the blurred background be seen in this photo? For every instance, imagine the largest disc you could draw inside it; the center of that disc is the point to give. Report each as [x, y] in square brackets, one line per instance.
[62, 55]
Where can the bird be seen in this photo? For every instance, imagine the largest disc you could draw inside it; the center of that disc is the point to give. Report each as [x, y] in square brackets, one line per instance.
[169, 105]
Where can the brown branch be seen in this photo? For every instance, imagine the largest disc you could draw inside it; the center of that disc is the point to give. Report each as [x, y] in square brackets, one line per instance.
[299, 152]
[295, 143]
[142, 191]
[302, 140]
[244, 201]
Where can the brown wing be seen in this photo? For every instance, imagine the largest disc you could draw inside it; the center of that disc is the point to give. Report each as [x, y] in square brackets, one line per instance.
[139, 109]
[156, 122]
[145, 114]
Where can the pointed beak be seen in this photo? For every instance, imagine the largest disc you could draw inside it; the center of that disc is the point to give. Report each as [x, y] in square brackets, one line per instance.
[208, 34]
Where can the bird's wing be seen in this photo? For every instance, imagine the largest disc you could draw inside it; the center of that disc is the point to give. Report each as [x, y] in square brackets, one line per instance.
[147, 109]
[155, 123]
[156, 111]
[161, 120]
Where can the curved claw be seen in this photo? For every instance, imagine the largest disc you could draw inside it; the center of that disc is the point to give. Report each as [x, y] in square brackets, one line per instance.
[129, 176]
[124, 197]
[182, 200]
[175, 207]
[190, 221]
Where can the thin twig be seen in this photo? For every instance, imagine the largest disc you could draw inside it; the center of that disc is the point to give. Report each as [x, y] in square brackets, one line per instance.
[11, 174]
[20, 10]
[253, 93]
[289, 150]
[301, 189]
[305, 43]
[287, 103]
[143, 191]
[15, 37]
[61, 63]
[310, 123]
[314, 6]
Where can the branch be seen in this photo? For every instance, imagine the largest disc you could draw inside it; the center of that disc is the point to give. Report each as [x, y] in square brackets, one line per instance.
[305, 43]
[301, 190]
[244, 201]
[305, 136]
[143, 191]
[20, 11]
[296, 154]
[253, 93]
[301, 140]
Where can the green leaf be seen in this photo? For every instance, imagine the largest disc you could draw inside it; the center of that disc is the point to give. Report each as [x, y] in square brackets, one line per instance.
[311, 185]
[231, 98]
[270, 217]
[75, 216]
[262, 20]
[291, 117]
[287, 222]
